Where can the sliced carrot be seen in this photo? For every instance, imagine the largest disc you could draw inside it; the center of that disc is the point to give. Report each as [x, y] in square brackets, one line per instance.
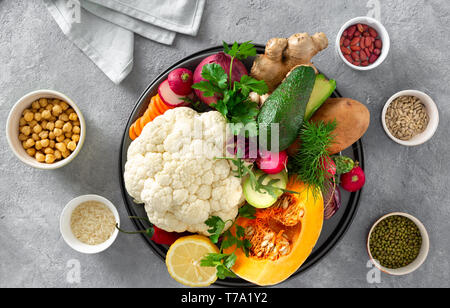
[137, 127]
[132, 133]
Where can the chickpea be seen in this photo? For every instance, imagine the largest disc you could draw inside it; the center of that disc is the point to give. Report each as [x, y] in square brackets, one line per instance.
[68, 135]
[51, 135]
[41, 110]
[43, 102]
[73, 116]
[64, 117]
[22, 137]
[25, 145]
[50, 126]
[33, 123]
[53, 118]
[71, 146]
[75, 138]
[31, 151]
[35, 137]
[64, 105]
[28, 116]
[49, 158]
[43, 134]
[48, 151]
[69, 111]
[58, 132]
[67, 127]
[56, 110]
[49, 107]
[26, 130]
[29, 143]
[45, 143]
[37, 129]
[40, 157]
[56, 101]
[57, 154]
[35, 105]
[76, 130]
[44, 124]
[61, 147]
[60, 138]
[38, 145]
[65, 154]
[22, 121]
[59, 124]
[76, 123]
[66, 141]
[37, 116]
[46, 114]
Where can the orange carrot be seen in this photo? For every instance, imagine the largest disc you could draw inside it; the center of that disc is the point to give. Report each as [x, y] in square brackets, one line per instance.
[132, 133]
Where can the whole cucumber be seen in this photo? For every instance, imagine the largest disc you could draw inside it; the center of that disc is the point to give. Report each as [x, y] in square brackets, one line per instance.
[286, 106]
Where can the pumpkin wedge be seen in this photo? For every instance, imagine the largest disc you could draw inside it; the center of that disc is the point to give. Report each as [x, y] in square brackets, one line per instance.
[282, 236]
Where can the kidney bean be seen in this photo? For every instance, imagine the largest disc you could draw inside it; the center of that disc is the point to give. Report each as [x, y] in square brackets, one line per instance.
[357, 63]
[362, 55]
[366, 34]
[345, 51]
[355, 41]
[360, 28]
[357, 34]
[346, 42]
[349, 58]
[367, 41]
[377, 51]
[371, 48]
[365, 63]
[373, 32]
[373, 58]
[355, 56]
[355, 48]
[351, 31]
[378, 44]
[341, 42]
[344, 34]
[362, 43]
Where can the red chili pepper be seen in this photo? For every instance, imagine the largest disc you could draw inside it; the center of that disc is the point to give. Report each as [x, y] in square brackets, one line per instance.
[163, 237]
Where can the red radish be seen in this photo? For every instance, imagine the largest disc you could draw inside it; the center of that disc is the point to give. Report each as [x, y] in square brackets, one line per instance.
[353, 180]
[271, 162]
[329, 165]
[224, 61]
[170, 98]
[163, 237]
[180, 81]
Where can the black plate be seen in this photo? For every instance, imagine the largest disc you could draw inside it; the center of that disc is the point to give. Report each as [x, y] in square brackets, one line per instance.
[333, 229]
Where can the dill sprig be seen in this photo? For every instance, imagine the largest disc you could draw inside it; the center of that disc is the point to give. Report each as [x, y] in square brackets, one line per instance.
[308, 163]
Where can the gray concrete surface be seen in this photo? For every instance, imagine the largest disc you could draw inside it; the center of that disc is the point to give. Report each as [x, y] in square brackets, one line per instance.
[35, 54]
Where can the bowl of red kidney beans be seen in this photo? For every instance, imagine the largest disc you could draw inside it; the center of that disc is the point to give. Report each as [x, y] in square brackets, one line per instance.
[363, 43]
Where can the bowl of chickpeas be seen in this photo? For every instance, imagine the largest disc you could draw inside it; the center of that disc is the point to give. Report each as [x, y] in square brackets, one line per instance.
[45, 129]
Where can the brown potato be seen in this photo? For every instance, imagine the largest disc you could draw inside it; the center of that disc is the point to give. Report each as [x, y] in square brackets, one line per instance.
[352, 119]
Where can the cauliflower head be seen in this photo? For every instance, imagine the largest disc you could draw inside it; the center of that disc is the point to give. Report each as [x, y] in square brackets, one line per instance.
[171, 168]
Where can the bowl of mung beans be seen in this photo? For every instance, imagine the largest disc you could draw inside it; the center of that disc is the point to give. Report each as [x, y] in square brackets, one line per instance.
[45, 129]
[398, 243]
[410, 117]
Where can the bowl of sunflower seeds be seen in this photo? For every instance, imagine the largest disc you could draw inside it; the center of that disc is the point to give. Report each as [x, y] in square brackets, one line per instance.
[410, 117]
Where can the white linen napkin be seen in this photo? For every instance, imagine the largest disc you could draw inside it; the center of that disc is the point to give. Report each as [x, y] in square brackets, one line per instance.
[109, 46]
[103, 29]
[182, 16]
[142, 28]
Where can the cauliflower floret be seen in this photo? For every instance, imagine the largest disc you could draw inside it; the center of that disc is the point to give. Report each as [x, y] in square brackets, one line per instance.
[171, 168]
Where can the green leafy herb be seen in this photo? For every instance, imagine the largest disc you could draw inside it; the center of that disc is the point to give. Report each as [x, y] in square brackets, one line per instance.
[233, 102]
[221, 261]
[308, 162]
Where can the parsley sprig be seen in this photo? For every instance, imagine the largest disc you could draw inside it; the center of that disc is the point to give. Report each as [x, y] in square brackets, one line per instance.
[233, 102]
[223, 262]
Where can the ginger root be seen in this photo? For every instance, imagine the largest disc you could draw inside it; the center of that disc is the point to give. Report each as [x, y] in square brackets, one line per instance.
[281, 55]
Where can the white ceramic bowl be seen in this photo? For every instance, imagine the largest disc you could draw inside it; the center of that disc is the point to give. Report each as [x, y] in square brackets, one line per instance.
[66, 230]
[420, 258]
[384, 36]
[12, 128]
[433, 115]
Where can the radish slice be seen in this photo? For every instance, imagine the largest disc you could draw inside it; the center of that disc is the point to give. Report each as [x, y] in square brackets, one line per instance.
[170, 98]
